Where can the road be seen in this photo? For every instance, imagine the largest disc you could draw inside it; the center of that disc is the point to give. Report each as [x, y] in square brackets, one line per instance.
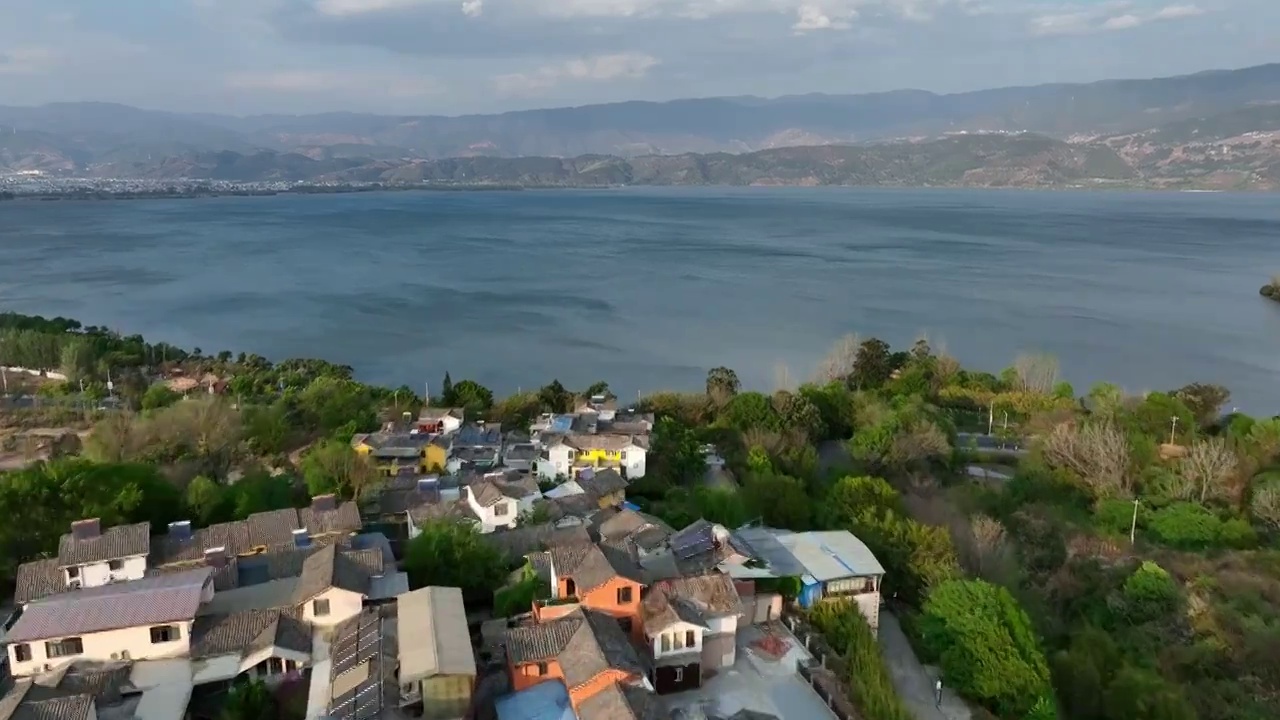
[913, 681]
[988, 442]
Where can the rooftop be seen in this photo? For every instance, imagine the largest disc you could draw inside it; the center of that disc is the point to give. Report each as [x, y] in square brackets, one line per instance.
[85, 543]
[591, 566]
[436, 619]
[584, 642]
[544, 701]
[249, 631]
[329, 568]
[150, 601]
[622, 702]
[825, 556]
[358, 665]
[272, 529]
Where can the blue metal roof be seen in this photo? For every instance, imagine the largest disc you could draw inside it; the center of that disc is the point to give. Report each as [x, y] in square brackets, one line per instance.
[548, 700]
[562, 423]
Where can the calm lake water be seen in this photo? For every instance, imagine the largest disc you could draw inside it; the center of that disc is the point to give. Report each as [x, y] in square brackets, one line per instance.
[648, 288]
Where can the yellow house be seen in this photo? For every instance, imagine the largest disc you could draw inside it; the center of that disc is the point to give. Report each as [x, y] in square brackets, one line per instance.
[436, 452]
[391, 452]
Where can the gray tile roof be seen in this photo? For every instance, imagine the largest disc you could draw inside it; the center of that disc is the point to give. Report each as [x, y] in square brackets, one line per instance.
[643, 530]
[524, 539]
[713, 594]
[328, 568]
[345, 518]
[605, 441]
[591, 566]
[660, 610]
[38, 579]
[429, 414]
[151, 601]
[247, 632]
[114, 543]
[585, 643]
[448, 510]
[619, 702]
[602, 482]
[486, 493]
[66, 707]
[273, 529]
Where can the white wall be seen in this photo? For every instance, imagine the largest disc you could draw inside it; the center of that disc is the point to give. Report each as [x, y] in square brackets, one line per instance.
[343, 604]
[450, 424]
[557, 464]
[634, 462]
[489, 518]
[678, 629]
[100, 647]
[722, 625]
[96, 574]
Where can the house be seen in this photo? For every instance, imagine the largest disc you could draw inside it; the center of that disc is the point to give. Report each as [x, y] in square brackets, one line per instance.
[440, 420]
[391, 452]
[333, 586]
[585, 650]
[622, 702]
[87, 691]
[437, 452]
[690, 625]
[705, 546]
[603, 406]
[520, 456]
[830, 564]
[598, 578]
[543, 701]
[269, 644]
[636, 533]
[527, 539]
[437, 669]
[88, 557]
[607, 486]
[567, 455]
[141, 619]
[493, 508]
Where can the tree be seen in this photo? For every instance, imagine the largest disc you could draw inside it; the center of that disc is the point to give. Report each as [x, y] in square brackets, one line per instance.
[261, 492]
[851, 497]
[1265, 503]
[554, 398]
[722, 384]
[872, 365]
[1036, 373]
[328, 404]
[207, 501]
[779, 500]
[1149, 594]
[472, 396]
[267, 427]
[76, 360]
[598, 388]
[749, 410]
[159, 396]
[1205, 401]
[839, 362]
[1206, 470]
[1098, 454]
[1105, 399]
[921, 441]
[249, 700]
[986, 645]
[333, 467]
[446, 390]
[676, 455]
[452, 554]
[797, 412]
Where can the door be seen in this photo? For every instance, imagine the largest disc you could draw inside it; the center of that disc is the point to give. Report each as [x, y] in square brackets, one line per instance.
[677, 678]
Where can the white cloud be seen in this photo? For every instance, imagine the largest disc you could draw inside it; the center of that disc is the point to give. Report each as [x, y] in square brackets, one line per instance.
[27, 60]
[1173, 12]
[1064, 24]
[1122, 22]
[342, 8]
[812, 17]
[472, 8]
[309, 82]
[590, 69]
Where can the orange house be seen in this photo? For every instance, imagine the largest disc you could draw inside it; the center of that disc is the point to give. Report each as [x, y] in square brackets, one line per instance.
[599, 579]
[585, 650]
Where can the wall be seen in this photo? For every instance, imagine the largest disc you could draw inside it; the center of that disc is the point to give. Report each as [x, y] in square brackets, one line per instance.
[679, 629]
[589, 689]
[524, 676]
[52, 375]
[605, 600]
[100, 573]
[100, 646]
[489, 519]
[721, 641]
[343, 604]
[557, 464]
[635, 462]
[446, 697]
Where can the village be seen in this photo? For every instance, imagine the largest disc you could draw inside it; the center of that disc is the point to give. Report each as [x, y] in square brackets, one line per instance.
[627, 617]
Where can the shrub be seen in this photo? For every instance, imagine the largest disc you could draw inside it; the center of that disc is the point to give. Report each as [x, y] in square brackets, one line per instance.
[1115, 516]
[1185, 525]
[846, 629]
[1237, 533]
[1149, 593]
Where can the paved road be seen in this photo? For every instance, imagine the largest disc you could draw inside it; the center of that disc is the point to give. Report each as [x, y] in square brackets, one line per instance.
[913, 681]
[987, 442]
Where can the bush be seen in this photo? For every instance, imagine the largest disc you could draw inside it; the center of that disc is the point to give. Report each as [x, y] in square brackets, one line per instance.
[846, 629]
[986, 645]
[1149, 593]
[1237, 533]
[1185, 525]
[1115, 516]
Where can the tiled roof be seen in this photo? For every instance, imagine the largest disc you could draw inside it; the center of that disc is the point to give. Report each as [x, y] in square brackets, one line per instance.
[328, 568]
[38, 579]
[486, 493]
[121, 541]
[585, 643]
[591, 566]
[18, 705]
[447, 510]
[713, 593]
[273, 529]
[345, 518]
[150, 601]
[428, 414]
[398, 500]
[604, 441]
[517, 485]
[618, 702]
[602, 482]
[249, 631]
[660, 610]
[524, 539]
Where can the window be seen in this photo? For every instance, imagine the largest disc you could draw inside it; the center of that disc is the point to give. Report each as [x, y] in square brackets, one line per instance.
[623, 454]
[542, 668]
[73, 572]
[21, 653]
[165, 633]
[679, 674]
[114, 565]
[63, 648]
[319, 608]
[624, 595]
[690, 639]
[501, 509]
[666, 642]
[677, 641]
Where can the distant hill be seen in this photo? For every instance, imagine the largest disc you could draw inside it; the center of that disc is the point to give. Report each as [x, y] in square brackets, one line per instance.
[1209, 130]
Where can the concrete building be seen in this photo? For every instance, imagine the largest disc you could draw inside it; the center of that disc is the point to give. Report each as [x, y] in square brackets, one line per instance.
[437, 669]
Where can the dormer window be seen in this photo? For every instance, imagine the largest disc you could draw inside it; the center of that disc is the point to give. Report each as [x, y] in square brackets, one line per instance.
[501, 509]
[114, 565]
[73, 572]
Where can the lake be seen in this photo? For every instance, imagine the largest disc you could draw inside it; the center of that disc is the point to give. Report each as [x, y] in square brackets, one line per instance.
[648, 288]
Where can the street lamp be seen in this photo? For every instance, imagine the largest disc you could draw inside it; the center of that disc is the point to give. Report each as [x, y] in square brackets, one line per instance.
[1173, 429]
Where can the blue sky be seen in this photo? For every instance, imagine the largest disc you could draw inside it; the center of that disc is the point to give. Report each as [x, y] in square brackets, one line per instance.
[459, 56]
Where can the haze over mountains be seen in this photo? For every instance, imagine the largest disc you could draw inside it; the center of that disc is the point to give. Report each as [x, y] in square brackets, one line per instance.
[1212, 129]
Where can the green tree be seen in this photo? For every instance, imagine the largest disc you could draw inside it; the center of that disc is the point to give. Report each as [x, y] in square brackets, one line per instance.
[798, 413]
[260, 492]
[328, 404]
[779, 500]
[872, 366]
[1149, 593]
[676, 455]
[267, 427]
[1205, 401]
[333, 467]
[453, 554]
[846, 629]
[554, 398]
[447, 395]
[749, 410]
[722, 384]
[472, 396]
[159, 396]
[986, 645]
[208, 502]
[249, 700]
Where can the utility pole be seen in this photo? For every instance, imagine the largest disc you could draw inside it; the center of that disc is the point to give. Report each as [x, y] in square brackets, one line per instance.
[1133, 525]
[991, 418]
[1173, 430]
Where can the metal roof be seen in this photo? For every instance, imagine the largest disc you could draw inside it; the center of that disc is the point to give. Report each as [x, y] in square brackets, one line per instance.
[825, 556]
[436, 619]
[150, 601]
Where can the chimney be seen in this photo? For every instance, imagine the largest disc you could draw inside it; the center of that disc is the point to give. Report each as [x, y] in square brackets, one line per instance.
[324, 503]
[406, 416]
[86, 529]
[301, 538]
[180, 530]
[216, 557]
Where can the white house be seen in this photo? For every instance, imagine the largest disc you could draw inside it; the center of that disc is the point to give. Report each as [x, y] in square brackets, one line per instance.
[493, 509]
[144, 619]
[332, 588]
[567, 455]
[691, 625]
[88, 557]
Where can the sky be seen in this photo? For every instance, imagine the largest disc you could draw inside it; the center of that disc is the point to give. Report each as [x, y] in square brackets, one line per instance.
[463, 56]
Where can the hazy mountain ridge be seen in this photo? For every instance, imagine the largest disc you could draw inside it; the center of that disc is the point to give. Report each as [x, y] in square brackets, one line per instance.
[1215, 130]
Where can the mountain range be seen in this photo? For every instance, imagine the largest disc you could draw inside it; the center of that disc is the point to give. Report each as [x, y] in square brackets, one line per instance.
[1217, 129]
